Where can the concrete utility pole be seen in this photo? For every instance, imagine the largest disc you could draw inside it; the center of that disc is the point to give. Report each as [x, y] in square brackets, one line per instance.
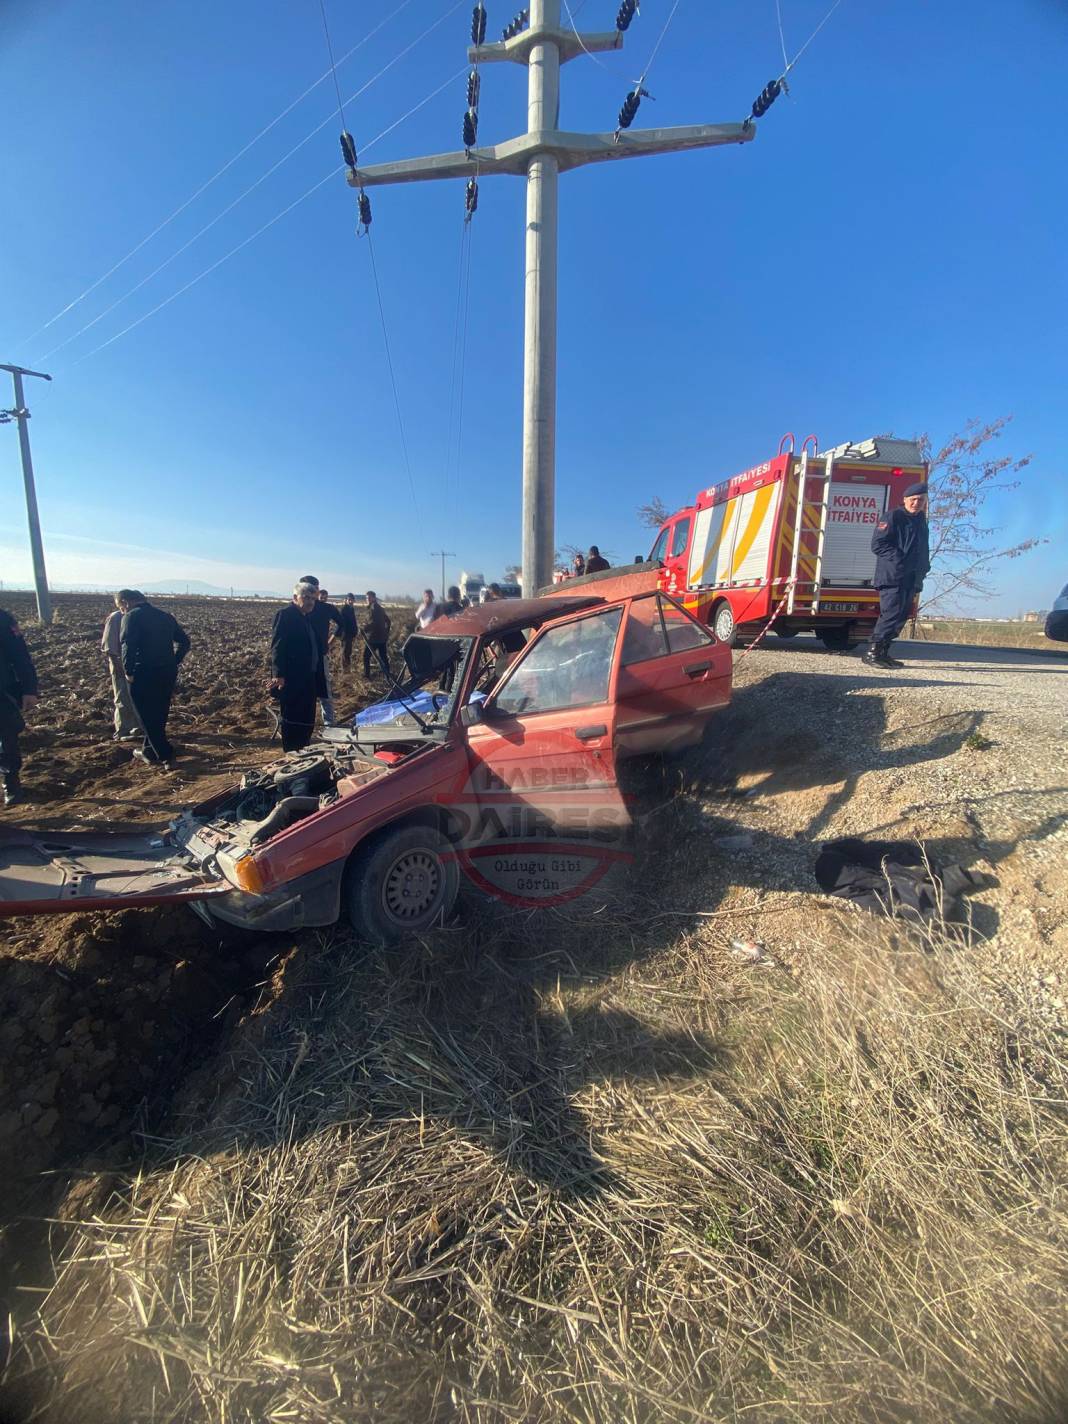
[541, 155]
[22, 415]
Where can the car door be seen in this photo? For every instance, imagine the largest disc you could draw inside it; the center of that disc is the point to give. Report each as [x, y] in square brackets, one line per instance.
[542, 754]
[673, 675]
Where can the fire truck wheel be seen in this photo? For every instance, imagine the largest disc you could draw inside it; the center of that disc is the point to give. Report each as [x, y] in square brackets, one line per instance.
[723, 624]
[786, 632]
[401, 883]
[839, 640]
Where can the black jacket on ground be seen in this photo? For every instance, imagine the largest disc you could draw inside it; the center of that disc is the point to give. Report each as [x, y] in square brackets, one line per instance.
[152, 639]
[18, 677]
[295, 652]
[901, 548]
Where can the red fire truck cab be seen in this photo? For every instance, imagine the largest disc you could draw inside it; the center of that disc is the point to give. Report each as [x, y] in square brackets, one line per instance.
[789, 539]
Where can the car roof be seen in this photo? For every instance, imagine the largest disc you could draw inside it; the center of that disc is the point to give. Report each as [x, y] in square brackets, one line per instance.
[505, 614]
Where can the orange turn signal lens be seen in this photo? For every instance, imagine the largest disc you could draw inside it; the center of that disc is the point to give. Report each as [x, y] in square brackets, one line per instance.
[248, 875]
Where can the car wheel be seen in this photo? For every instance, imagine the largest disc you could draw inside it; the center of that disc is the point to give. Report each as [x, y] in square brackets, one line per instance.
[723, 624]
[1057, 626]
[839, 640]
[401, 883]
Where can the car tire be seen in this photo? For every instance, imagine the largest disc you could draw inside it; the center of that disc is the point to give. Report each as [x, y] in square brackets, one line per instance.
[1057, 626]
[723, 624]
[401, 883]
[839, 640]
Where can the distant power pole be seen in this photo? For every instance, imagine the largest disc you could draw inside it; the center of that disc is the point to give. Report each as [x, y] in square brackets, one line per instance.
[22, 416]
[541, 155]
[445, 554]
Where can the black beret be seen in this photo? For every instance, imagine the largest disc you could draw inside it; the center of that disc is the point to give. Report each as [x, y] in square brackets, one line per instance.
[918, 488]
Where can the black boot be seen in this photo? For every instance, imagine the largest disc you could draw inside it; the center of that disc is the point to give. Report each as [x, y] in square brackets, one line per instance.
[875, 656]
[891, 662]
[12, 789]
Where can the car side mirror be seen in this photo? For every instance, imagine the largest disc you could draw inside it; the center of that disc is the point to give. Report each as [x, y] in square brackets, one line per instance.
[471, 714]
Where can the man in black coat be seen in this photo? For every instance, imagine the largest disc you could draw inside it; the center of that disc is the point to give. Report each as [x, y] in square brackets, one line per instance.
[153, 645]
[295, 666]
[902, 560]
[347, 613]
[18, 694]
[376, 624]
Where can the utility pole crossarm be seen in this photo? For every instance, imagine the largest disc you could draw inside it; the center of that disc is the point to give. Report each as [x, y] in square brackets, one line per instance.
[571, 150]
[569, 43]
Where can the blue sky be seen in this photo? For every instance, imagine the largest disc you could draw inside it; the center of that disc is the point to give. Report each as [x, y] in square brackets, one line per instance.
[887, 255]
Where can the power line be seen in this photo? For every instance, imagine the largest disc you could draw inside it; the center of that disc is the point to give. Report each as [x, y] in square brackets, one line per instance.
[660, 41]
[249, 190]
[782, 37]
[214, 177]
[333, 66]
[260, 230]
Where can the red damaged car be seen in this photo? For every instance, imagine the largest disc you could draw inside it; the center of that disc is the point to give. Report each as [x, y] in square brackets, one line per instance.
[506, 732]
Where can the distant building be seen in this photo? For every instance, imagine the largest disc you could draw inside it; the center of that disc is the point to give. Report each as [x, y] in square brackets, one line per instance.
[1031, 616]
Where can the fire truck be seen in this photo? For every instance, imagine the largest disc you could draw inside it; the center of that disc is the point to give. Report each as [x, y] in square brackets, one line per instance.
[789, 539]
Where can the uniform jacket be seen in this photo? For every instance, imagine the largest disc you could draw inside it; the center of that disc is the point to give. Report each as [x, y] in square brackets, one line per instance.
[901, 549]
[295, 654]
[376, 624]
[152, 640]
[17, 675]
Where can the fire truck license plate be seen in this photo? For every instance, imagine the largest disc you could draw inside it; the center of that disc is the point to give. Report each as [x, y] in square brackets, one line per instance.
[842, 607]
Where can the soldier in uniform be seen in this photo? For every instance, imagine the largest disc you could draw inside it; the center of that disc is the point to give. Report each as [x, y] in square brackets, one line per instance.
[902, 560]
[18, 694]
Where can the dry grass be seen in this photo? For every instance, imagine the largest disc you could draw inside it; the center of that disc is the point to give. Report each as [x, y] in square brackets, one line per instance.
[624, 1180]
[978, 632]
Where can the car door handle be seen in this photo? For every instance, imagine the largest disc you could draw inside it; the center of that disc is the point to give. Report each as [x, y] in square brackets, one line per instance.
[696, 669]
[585, 734]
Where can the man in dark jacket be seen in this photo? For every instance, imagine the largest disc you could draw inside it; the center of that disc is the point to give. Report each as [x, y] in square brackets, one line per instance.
[595, 564]
[902, 560]
[347, 613]
[295, 666]
[375, 635]
[324, 617]
[18, 694]
[153, 645]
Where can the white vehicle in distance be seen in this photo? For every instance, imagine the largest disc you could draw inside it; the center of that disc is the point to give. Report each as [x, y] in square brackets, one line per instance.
[1057, 618]
[471, 586]
[508, 590]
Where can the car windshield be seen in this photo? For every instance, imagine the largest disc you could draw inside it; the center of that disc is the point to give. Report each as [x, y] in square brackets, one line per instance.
[434, 671]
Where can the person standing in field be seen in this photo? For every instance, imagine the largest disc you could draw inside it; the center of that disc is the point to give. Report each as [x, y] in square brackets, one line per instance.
[453, 604]
[347, 614]
[153, 646]
[127, 723]
[18, 694]
[376, 626]
[594, 563]
[295, 664]
[428, 610]
[901, 546]
[325, 618]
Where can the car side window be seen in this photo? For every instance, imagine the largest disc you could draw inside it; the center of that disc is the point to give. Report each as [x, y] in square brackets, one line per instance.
[680, 537]
[659, 549]
[682, 629]
[569, 666]
[657, 626]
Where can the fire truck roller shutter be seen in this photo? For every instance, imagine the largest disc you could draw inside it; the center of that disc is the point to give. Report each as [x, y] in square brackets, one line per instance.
[754, 526]
[854, 511]
[712, 542]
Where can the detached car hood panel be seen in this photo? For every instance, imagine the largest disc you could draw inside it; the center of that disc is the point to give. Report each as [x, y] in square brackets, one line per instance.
[41, 871]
